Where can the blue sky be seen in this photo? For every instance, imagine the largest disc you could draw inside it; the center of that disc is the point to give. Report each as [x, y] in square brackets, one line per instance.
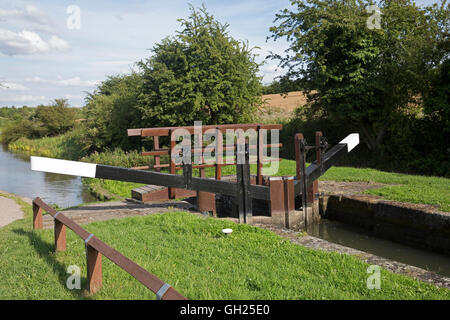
[45, 54]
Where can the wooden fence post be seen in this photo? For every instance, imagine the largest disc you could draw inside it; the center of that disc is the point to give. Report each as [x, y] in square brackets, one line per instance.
[289, 198]
[172, 165]
[259, 156]
[37, 217]
[206, 201]
[60, 236]
[277, 210]
[94, 269]
[298, 167]
[219, 153]
[157, 158]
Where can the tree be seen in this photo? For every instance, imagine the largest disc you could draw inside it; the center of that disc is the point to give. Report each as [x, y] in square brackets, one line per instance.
[437, 102]
[111, 110]
[202, 73]
[358, 75]
[282, 85]
[55, 119]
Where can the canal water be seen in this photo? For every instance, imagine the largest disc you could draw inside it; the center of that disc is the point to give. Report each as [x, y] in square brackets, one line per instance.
[16, 177]
[353, 237]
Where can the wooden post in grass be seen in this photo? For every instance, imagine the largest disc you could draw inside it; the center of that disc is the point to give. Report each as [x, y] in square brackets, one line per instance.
[60, 236]
[37, 217]
[281, 200]
[94, 270]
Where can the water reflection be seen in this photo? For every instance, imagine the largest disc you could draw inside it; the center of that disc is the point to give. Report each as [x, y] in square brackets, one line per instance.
[16, 177]
[353, 237]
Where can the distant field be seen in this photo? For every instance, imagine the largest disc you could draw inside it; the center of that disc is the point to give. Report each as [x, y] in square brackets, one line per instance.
[282, 106]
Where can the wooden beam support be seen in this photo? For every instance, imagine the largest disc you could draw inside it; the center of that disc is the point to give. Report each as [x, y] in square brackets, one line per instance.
[60, 236]
[94, 270]
[37, 217]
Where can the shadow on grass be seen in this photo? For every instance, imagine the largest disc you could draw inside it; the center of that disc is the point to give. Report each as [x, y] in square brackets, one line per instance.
[46, 252]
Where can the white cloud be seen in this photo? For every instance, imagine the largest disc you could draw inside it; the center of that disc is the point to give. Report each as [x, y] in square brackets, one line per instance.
[76, 81]
[114, 66]
[270, 72]
[72, 96]
[23, 98]
[35, 18]
[29, 42]
[12, 86]
[35, 79]
[73, 82]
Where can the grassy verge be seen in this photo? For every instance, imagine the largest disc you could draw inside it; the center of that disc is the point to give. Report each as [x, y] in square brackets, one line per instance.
[65, 146]
[192, 254]
[405, 188]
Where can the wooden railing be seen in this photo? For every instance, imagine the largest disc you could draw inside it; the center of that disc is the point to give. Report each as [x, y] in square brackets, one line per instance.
[157, 152]
[95, 249]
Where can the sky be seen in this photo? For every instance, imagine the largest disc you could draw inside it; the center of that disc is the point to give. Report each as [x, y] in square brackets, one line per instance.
[62, 49]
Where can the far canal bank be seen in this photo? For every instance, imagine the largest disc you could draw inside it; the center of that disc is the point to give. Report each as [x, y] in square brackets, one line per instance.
[16, 177]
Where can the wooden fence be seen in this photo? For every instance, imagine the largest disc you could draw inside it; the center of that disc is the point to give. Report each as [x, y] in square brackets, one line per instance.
[95, 249]
[260, 147]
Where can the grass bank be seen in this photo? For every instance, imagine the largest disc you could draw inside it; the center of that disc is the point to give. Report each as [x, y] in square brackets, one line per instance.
[65, 146]
[192, 254]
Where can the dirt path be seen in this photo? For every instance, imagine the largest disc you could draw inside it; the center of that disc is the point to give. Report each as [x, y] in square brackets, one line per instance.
[9, 211]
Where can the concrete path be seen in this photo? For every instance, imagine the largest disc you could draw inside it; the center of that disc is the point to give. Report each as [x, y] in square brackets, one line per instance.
[9, 211]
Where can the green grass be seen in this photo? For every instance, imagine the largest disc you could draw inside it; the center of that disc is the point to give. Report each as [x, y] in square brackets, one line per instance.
[65, 146]
[405, 188]
[192, 254]
[119, 189]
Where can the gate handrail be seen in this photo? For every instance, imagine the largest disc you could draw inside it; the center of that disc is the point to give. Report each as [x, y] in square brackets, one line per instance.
[152, 282]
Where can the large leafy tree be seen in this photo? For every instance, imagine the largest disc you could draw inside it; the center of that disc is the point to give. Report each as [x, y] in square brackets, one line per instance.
[360, 75]
[202, 73]
[112, 109]
[56, 118]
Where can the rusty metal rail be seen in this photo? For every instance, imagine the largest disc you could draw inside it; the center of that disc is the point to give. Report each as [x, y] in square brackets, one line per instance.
[95, 248]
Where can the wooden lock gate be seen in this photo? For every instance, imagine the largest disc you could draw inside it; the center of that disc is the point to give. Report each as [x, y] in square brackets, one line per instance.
[280, 194]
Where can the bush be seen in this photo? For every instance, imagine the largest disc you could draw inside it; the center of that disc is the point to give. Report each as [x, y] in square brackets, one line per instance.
[56, 118]
[110, 111]
[67, 146]
[201, 74]
[17, 129]
[413, 143]
[42, 121]
[119, 158]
